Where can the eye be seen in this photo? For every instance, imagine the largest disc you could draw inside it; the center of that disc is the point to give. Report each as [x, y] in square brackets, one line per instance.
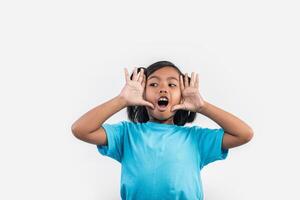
[172, 85]
[153, 84]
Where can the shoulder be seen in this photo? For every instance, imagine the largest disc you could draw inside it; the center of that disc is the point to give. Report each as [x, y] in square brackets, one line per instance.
[125, 125]
[120, 126]
[119, 123]
[192, 128]
[200, 131]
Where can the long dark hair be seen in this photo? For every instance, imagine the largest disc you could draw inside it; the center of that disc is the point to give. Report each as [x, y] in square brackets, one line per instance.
[140, 114]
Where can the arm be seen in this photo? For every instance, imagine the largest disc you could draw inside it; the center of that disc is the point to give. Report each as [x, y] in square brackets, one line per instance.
[89, 127]
[236, 132]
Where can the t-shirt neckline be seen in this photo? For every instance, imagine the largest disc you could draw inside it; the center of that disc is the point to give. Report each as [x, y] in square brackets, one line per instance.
[160, 124]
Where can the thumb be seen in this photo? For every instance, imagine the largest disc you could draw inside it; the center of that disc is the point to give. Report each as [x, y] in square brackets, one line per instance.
[178, 107]
[147, 103]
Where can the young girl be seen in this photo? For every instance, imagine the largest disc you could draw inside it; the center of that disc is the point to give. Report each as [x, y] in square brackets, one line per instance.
[161, 158]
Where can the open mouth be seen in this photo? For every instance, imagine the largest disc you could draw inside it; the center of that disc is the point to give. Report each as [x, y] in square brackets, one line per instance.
[163, 102]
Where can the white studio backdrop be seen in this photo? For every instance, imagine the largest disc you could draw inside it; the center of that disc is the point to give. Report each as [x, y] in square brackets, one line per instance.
[59, 59]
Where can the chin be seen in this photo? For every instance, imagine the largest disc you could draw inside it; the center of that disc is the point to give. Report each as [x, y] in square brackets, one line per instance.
[162, 116]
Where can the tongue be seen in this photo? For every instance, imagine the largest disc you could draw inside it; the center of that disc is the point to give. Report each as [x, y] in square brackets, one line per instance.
[162, 105]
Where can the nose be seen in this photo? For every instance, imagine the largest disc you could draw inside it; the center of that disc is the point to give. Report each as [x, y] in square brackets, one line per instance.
[162, 91]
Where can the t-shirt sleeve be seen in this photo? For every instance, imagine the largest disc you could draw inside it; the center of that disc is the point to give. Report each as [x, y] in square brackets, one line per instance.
[209, 143]
[115, 141]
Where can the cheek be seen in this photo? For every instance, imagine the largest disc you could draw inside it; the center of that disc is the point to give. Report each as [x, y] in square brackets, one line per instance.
[176, 96]
[149, 92]
[148, 95]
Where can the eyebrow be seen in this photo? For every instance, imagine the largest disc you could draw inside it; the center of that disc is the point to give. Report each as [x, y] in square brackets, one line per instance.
[170, 77]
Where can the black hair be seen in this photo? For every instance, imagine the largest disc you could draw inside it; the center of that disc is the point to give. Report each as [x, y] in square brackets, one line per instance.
[140, 114]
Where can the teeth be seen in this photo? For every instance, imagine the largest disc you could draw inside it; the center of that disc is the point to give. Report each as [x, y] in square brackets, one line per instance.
[163, 99]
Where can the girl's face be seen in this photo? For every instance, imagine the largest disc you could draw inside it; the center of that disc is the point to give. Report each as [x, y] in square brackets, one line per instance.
[163, 91]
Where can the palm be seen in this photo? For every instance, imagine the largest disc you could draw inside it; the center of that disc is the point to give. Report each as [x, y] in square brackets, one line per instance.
[134, 89]
[191, 98]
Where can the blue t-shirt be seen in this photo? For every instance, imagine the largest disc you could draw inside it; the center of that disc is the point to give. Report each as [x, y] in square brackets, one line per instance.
[162, 161]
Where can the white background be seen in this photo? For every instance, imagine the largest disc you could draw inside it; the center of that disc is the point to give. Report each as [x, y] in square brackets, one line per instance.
[61, 58]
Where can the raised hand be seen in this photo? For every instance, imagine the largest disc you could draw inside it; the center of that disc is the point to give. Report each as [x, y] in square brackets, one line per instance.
[191, 98]
[133, 91]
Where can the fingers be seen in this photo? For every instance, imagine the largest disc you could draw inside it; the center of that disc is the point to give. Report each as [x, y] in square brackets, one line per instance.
[194, 80]
[135, 74]
[178, 107]
[186, 80]
[144, 81]
[141, 75]
[197, 81]
[192, 83]
[146, 103]
[181, 82]
[127, 78]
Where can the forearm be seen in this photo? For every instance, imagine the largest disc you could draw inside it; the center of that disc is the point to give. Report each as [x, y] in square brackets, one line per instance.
[93, 119]
[230, 123]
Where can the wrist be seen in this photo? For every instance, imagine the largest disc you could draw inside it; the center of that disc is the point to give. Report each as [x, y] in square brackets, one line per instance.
[203, 107]
[122, 101]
